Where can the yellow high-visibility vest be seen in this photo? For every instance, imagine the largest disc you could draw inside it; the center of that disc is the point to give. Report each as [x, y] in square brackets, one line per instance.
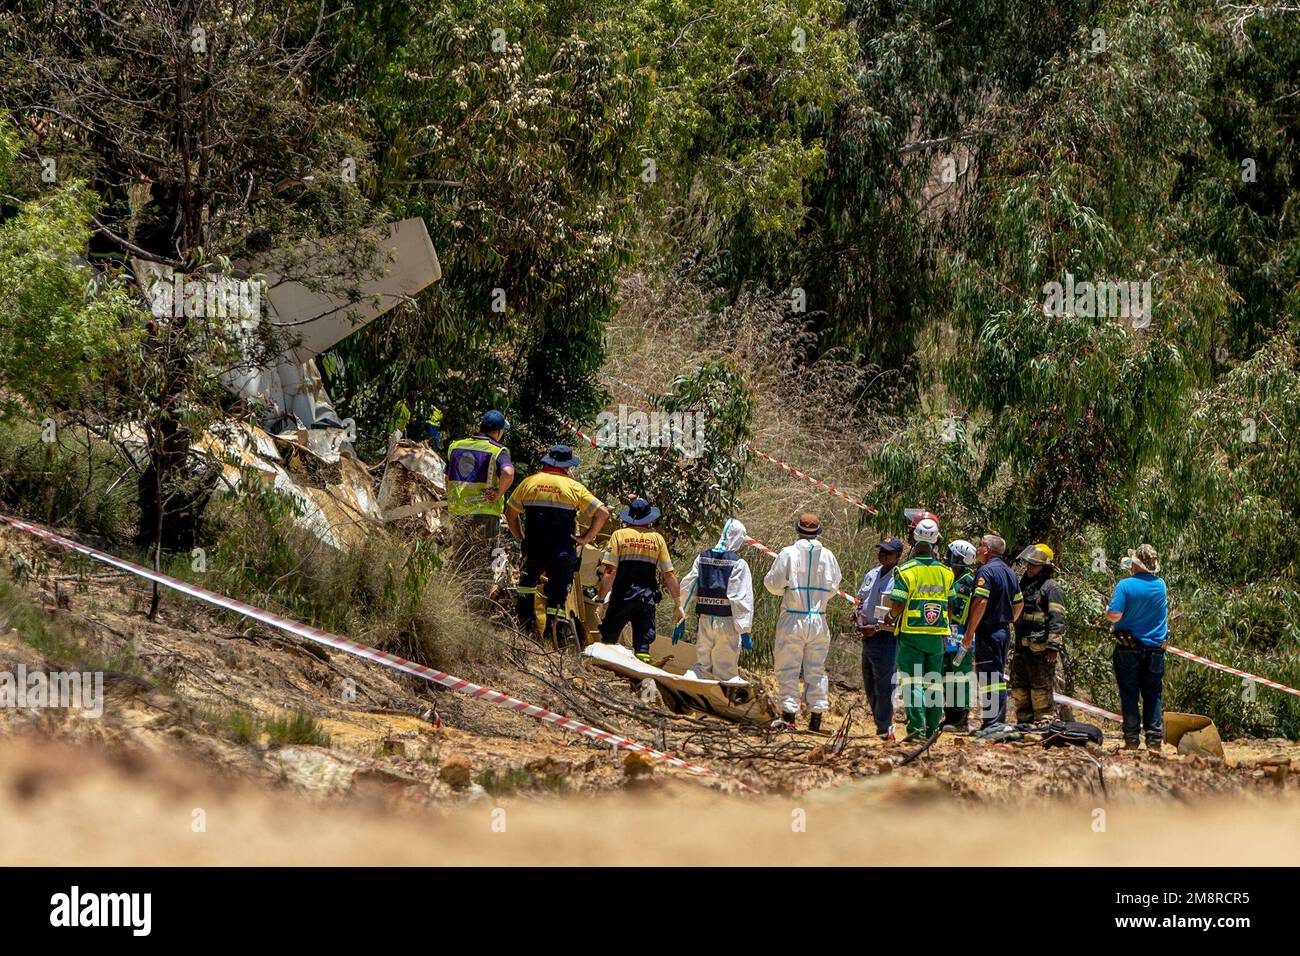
[471, 470]
[924, 585]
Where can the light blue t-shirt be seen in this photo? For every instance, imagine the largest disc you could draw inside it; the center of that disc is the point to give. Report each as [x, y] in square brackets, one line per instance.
[1142, 600]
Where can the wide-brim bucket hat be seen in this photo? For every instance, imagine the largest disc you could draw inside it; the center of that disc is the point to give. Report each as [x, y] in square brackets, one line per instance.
[561, 456]
[639, 512]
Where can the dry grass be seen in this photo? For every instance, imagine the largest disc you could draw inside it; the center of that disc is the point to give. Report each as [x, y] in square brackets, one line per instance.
[72, 482]
[386, 591]
[806, 413]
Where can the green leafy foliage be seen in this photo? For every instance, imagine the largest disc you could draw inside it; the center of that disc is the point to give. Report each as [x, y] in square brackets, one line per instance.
[1094, 431]
[59, 322]
[1076, 401]
[696, 481]
[511, 127]
[738, 87]
[909, 178]
[197, 130]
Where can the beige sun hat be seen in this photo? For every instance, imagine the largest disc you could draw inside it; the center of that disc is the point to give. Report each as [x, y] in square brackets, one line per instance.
[1144, 558]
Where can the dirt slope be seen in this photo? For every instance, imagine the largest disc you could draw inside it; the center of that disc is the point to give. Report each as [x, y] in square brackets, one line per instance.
[413, 774]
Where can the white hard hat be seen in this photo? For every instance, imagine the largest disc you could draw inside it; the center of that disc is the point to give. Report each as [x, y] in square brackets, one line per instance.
[963, 551]
[927, 530]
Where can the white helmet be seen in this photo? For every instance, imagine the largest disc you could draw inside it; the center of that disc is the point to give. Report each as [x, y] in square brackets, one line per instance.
[927, 530]
[961, 552]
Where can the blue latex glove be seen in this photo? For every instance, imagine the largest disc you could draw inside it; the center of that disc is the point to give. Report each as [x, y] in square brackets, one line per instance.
[679, 632]
[746, 642]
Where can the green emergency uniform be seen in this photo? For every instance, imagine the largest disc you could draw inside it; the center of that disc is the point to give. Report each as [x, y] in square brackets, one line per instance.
[925, 586]
[958, 678]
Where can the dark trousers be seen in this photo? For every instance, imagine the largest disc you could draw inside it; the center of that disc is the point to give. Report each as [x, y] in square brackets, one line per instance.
[957, 682]
[640, 613]
[879, 672]
[1140, 674]
[991, 675]
[558, 566]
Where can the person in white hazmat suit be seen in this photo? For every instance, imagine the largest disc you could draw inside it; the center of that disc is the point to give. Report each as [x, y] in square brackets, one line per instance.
[806, 576]
[722, 588]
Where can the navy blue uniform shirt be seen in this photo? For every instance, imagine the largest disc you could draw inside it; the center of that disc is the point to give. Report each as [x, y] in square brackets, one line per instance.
[997, 584]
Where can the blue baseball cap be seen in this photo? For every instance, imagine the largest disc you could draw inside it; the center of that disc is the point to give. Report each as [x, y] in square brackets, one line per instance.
[493, 421]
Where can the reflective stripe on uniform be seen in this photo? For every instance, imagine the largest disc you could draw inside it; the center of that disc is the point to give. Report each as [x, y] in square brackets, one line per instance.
[550, 504]
[924, 586]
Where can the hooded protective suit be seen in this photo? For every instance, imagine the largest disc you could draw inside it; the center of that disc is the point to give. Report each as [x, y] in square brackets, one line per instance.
[806, 576]
[720, 584]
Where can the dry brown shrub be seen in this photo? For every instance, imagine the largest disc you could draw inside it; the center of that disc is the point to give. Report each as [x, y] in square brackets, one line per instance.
[820, 413]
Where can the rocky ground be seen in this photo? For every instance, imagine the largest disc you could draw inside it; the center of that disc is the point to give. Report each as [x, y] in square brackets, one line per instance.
[186, 766]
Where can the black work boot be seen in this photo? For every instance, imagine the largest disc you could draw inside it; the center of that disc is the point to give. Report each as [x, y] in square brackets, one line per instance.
[788, 719]
[815, 722]
[564, 633]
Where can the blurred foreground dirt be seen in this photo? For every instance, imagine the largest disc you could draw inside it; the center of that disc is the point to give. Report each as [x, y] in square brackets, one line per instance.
[61, 805]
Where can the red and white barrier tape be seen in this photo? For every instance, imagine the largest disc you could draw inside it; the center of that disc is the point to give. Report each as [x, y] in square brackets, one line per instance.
[627, 385]
[829, 488]
[824, 486]
[363, 651]
[1197, 658]
[581, 434]
[1090, 708]
[832, 489]
[1245, 675]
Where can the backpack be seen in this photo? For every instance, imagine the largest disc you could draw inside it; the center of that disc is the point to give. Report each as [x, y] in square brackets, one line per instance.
[1063, 732]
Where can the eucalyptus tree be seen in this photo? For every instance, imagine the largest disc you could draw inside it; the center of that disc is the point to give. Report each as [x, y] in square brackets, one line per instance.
[195, 128]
